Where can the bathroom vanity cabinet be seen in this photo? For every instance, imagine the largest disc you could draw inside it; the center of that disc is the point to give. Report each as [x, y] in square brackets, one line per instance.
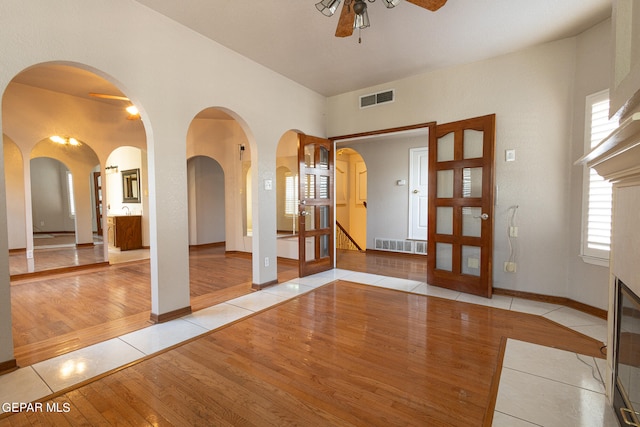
[125, 231]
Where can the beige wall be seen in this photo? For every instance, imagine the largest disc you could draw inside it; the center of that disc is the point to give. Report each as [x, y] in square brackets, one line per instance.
[533, 94]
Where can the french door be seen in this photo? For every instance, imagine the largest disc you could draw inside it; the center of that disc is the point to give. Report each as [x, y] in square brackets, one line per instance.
[461, 200]
[316, 216]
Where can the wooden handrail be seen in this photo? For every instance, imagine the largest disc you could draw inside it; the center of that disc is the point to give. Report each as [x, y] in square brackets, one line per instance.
[348, 236]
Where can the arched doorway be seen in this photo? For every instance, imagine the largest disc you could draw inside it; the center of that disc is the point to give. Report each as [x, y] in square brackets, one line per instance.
[351, 200]
[49, 114]
[218, 207]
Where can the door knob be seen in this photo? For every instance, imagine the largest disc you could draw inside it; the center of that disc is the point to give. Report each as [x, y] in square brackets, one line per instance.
[416, 191]
[483, 216]
[304, 213]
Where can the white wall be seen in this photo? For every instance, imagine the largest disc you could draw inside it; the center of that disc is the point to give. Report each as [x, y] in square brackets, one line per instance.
[206, 201]
[125, 158]
[17, 238]
[171, 73]
[532, 93]
[50, 196]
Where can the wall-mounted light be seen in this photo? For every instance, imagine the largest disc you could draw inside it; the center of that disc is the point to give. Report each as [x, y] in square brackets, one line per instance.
[64, 140]
[134, 113]
[111, 169]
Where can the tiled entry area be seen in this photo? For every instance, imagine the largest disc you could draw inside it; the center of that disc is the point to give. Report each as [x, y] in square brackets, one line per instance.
[543, 386]
[34, 382]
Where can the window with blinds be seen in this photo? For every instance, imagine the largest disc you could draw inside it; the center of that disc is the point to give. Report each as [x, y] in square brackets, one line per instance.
[596, 240]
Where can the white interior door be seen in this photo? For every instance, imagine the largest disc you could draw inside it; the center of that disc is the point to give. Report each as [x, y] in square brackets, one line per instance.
[418, 192]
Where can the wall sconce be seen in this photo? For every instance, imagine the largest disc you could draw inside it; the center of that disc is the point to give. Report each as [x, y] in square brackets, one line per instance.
[111, 169]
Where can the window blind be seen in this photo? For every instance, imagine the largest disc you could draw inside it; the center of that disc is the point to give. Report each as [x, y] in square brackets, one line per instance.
[599, 195]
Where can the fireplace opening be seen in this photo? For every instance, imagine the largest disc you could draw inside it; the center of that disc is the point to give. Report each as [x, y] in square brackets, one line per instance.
[626, 400]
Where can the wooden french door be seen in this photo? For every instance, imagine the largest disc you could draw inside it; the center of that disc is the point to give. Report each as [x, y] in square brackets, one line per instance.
[316, 217]
[461, 198]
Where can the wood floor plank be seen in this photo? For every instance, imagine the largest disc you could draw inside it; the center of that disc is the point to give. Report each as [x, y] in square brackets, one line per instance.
[343, 355]
[55, 314]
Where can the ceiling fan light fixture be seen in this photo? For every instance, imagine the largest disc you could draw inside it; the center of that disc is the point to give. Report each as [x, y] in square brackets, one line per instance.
[362, 17]
[328, 7]
[390, 3]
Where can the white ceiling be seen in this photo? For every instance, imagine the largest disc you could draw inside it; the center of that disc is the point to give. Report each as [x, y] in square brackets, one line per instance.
[292, 38]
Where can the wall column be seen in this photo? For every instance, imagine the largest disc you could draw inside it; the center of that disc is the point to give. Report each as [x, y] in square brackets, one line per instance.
[168, 223]
[7, 361]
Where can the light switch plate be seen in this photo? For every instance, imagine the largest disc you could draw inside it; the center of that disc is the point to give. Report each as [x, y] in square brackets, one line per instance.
[510, 155]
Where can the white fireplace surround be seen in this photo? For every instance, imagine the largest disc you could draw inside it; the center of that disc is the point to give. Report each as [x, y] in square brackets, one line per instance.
[617, 159]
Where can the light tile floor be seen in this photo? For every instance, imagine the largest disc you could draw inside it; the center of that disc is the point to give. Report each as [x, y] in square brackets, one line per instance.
[566, 390]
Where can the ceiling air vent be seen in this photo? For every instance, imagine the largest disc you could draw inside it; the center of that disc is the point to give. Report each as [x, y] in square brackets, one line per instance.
[376, 98]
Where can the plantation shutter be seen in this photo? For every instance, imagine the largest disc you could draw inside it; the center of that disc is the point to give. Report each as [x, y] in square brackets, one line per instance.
[597, 242]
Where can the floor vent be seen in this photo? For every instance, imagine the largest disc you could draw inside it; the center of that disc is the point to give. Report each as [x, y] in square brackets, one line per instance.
[421, 248]
[403, 246]
[377, 98]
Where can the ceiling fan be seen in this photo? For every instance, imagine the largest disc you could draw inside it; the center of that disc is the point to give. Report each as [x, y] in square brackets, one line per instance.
[354, 12]
[134, 114]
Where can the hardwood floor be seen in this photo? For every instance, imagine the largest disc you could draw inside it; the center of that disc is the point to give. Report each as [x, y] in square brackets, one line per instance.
[342, 355]
[55, 314]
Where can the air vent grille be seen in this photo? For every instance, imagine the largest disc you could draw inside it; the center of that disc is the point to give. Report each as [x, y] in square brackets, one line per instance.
[405, 246]
[377, 98]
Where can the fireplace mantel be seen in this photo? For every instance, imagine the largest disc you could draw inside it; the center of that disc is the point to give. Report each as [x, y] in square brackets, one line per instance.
[617, 157]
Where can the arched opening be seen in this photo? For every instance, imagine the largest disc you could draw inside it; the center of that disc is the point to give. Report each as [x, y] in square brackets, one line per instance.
[351, 200]
[125, 190]
[220, 216]
[71, 103]
[57, 137]
[287, 190]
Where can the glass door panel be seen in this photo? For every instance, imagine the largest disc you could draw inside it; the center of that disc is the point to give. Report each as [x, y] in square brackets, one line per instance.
[309, 214]
[444, 216]
[444, 256]
[471, 260]
[445, 147]
[472, 182]
[310, 186]
[471, 222]
[310, 156]
[445, 183]
[473, 144]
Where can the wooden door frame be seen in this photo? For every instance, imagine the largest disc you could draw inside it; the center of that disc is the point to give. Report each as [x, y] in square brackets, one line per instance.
[380, 132]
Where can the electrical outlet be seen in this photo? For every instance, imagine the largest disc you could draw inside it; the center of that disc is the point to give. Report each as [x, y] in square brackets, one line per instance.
[266, 261]
[510, 267]
[513, 231]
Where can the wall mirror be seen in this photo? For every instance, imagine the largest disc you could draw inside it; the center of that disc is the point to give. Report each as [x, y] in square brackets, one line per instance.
[131, 186]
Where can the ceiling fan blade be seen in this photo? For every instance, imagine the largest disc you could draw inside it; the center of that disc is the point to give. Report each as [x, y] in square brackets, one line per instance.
[347, 17]
[431, 5]
[107, 96]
